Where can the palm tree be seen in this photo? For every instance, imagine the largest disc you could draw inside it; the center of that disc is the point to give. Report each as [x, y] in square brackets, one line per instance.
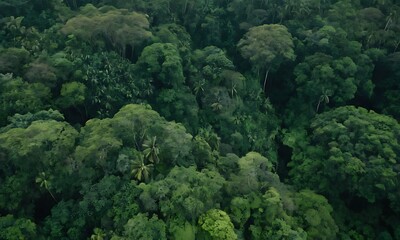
[15, 27]
[199, 86]
[217, 106]
[233, 90]
[140, 170]
[323, 98]
[257, 95]
[237, 120]
[43, 181]
[98, 234]
[139, 136]
[151, 150]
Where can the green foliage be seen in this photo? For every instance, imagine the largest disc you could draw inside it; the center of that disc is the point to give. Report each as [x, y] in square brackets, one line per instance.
[65, 221]
[20, 228]
[39, 72]
[43, 146]
[18, 96]
[135, 123]
[202, 152]
[110, 83]
[267, 45]
[142, 227]
[72, 94]
[350, 147]
[63, 67]
[177, 35]
[254, 169]
[178, 105]
[124, 208]
[115, 167]
[281, 230]
[23, 121]
[48, 140]
[163, 65]
[12, 60]
[211, 62]
[97, 200]
[272, 221]
[240, 211]
[98, 143]
[34, 40]
[116, 27]
[314, 215]
[232, 109]
[333, 79]
[184, 193]
[181, 229]
[217, 225]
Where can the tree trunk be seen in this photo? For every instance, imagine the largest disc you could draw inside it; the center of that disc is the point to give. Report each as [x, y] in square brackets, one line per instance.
[265, 79]
[184, 8]
[52, 195]
[319, 102]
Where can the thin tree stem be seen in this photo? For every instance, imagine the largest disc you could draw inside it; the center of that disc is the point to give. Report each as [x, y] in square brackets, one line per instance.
[265, 79]
[52, 195]
[319, 102]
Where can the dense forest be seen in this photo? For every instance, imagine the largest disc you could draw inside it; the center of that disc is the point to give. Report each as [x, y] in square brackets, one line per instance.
[200, 119]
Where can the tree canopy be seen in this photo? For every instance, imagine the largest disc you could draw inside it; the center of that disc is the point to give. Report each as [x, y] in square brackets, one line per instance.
[199, 119]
